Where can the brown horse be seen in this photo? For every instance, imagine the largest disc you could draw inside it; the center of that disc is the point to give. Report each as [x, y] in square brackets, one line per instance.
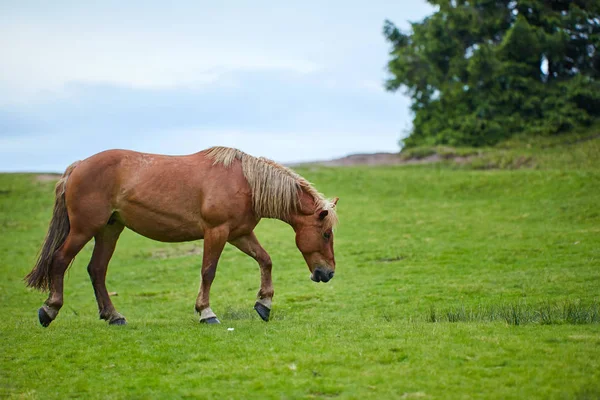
[219, 195]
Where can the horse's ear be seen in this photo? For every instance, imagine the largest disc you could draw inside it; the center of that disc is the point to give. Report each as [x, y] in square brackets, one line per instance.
[323, 214]
[334, 201]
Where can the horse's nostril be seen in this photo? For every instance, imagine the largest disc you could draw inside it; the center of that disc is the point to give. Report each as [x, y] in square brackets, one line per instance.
[330, 275]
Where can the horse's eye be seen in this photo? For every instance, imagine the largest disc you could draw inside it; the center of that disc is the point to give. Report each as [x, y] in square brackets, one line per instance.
[327, 235]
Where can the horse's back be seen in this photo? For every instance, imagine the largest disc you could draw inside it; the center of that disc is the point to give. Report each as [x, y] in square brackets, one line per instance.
[168, 198]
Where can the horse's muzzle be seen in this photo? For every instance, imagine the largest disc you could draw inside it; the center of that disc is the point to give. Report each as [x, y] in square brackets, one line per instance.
[321, 275]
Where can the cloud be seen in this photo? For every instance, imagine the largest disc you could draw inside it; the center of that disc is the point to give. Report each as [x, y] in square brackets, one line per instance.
[284, 116]
[46, 47]
[254, 101]
[42, 60]
[289, 81]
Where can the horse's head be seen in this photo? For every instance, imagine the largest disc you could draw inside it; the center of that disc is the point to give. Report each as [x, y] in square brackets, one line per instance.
[314, 239]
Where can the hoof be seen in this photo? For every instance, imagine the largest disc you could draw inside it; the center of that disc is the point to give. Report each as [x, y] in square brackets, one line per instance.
[263, 311]
[211, 320]
[118, 321]
[44, 317]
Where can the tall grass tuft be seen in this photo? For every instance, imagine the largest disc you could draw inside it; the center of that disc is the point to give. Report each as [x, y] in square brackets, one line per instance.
[520, 313]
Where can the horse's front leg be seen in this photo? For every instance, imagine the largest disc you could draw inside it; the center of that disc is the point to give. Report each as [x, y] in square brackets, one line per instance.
[249, 244]
[214, 242]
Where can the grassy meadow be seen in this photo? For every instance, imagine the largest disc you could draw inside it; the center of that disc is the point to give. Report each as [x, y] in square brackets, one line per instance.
[452, 282]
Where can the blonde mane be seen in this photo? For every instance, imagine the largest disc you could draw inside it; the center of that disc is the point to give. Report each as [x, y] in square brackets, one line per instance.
[275, 188]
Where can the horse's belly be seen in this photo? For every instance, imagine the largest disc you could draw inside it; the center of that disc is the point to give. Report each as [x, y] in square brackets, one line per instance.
[164, 235]
[173, 227]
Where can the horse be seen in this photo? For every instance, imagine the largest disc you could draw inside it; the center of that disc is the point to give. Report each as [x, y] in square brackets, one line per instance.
[219, 194]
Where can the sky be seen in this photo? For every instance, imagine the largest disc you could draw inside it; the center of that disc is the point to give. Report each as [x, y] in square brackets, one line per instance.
[292, 81]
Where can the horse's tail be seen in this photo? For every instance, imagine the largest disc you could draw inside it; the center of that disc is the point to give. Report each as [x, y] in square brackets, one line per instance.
[40, 275]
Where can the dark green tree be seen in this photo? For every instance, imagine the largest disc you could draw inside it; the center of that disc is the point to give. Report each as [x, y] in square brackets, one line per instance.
[479, 71]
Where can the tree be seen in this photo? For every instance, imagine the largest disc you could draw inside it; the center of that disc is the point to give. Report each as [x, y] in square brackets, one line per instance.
[479, 71]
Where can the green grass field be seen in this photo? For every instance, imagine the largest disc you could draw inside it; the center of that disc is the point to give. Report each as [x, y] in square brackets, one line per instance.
[451, 282]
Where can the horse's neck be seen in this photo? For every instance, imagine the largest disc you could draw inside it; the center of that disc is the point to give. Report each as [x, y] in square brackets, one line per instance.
[305, 209]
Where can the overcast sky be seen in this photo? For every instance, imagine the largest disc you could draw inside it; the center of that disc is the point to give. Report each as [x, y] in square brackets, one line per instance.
[292, 81]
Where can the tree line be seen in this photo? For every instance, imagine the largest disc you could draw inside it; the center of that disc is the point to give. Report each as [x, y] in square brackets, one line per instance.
[480, 71]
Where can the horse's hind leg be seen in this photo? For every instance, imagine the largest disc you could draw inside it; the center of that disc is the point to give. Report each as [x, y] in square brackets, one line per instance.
[61, 260]
[106, 240]
[250, 245]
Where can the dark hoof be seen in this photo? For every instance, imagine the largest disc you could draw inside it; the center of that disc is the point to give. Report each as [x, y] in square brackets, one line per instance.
[263, 311]
[211, 320]
[118, 321]
[44, 317]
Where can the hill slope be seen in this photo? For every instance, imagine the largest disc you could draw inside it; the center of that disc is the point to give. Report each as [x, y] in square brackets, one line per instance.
[576, 150]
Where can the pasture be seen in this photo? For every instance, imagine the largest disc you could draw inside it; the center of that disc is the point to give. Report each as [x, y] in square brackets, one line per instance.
[451, 282]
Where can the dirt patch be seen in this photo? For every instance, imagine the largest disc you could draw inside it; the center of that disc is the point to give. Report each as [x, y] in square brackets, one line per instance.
[163, 254]
[391, 259]
[47, 177]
